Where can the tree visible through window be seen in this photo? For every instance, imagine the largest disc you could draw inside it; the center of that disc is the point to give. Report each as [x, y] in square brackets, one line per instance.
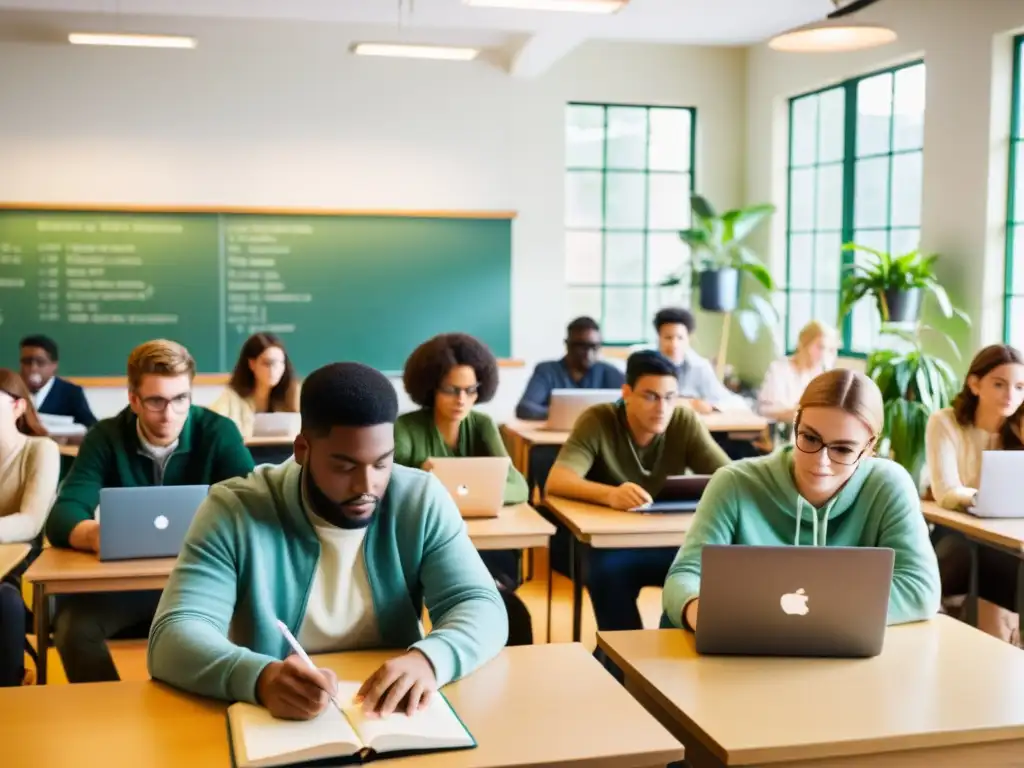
[1014, 317]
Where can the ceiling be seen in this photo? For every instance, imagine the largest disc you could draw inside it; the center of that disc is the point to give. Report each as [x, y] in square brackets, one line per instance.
[540, 37]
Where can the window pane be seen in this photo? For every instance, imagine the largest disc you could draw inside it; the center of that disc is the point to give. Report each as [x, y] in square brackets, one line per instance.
[624, 201]
[906, 190]
[865, 325]
[670, 139]
[1018, 203]
[583, 258]
[872, 238]
[624, 258]
[804, 129]
[623, 314]
[908, 109]
[668, 201]
[874, 110]
[871, 195]
[583, 301]
[583, 199]
[584, 136]
[660, 296]
[800, 308]
[627, 137]
[1017, 322]
[828, 262]
[830, 197]
[832, 128]
[826, 307]
[904, 240]
[801, 261]
[666, 255]
[801, 200]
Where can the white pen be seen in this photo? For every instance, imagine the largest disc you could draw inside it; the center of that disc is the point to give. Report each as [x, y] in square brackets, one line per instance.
[304, 656]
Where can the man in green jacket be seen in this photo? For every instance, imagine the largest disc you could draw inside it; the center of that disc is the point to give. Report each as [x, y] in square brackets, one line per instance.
[343, 547]
[160, 439]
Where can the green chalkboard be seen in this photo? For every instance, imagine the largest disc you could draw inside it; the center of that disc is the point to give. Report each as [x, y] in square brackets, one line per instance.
[334, 287]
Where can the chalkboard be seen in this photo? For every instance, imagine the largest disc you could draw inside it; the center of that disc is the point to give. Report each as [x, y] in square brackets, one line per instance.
[334, 287]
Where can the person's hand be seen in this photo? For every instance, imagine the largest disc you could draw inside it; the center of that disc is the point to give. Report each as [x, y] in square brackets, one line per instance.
[690, 614]
[290, 690]
[428, 465]
[85, 536]
[404, 683]
[703, 407]
[628, 496]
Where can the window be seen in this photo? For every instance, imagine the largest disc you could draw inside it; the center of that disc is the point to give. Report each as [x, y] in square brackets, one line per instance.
[855, 153]
[1013, 322]
[629, 175]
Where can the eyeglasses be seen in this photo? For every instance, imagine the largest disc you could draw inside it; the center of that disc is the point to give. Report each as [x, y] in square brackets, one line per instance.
[838, 453]
[583, 346]
[469, 391]
[178, 403]
[29, 360]
[653, 397]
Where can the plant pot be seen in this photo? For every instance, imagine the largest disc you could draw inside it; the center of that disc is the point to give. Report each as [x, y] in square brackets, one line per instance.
[719, 290]
[904, 305]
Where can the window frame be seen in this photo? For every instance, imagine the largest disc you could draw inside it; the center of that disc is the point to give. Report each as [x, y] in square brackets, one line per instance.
[1012, 224]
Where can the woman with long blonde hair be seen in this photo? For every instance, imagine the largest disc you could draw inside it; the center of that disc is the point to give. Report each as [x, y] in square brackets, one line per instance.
[788, 377]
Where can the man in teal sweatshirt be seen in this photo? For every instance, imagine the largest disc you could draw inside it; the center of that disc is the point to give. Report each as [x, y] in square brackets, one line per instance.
[160, 439]
[344, 548]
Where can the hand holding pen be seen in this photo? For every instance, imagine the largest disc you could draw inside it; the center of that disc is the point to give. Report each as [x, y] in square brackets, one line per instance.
[295, 689]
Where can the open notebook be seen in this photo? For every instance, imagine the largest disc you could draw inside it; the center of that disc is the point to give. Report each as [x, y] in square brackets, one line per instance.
[258, 740]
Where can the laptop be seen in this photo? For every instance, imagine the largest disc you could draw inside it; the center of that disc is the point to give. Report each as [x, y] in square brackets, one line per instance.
[276, 425]
[999, 485]
[146, 522]
[566, 405]
[680, 493]
[794, 601]
[476, 483]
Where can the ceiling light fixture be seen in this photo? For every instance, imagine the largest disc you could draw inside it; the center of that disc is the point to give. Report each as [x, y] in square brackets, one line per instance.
[131, 41]
[835, 33]
[402, 50]
[578, 6]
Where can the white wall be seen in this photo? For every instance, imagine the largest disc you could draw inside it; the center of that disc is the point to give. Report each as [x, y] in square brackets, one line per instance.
[280, 115]
[967, 48]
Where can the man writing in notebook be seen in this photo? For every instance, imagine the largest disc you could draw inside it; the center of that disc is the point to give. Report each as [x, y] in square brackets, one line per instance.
[344, 548]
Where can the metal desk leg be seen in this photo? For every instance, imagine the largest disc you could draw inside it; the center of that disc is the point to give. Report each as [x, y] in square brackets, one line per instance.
[551, 578]
[579, 577]
[1020, 600]
[41, 609]
[971, 606]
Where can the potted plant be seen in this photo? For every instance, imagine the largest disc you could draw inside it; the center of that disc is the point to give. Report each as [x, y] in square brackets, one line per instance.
[898, 284]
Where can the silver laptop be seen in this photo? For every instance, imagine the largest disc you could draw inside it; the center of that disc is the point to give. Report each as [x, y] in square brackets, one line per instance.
[999, 486]
[793, 601]
[566, 405]
[476, 483]
[276, 425]
[146, 522]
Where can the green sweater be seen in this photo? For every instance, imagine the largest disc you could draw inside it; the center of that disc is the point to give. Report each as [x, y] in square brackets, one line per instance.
[210, 449]
[601, 449]
[755, 502]
[417, 439]
[250, 557]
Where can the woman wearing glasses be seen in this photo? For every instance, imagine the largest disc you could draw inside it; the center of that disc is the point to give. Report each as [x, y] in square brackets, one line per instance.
[263, 381]
[29, 472]
[825, 490]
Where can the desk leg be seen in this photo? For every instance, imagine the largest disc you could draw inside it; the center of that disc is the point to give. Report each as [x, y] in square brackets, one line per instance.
[551, 579]
[579, 577]
[971, 607]
[1020, 600]
[41, 609]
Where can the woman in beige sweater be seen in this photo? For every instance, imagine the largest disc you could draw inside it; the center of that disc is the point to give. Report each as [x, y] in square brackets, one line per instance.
[263, 381]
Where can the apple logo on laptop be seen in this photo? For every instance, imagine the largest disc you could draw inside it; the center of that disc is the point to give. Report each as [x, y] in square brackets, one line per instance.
[161, 523]
[794, 603]
[462, 490]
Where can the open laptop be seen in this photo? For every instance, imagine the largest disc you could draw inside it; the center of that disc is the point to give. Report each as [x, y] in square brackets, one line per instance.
[999, 486]
[146, 522]
[276, 425]
[566, 405]
[680, 493]
[477, 483]
[794, 601]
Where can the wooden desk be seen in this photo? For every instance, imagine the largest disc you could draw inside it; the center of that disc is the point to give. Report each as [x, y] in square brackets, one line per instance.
[11, 555]
[60, 571]
[68, 450]
[941, 694]
[595, 526]
[532, 706]
[252, 442]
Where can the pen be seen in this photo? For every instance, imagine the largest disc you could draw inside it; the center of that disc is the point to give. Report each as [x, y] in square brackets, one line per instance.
[303, 655]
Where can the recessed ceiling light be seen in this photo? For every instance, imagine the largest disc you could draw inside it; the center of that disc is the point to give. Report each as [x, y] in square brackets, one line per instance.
[578, 6]
[131, 41]
[401, 50]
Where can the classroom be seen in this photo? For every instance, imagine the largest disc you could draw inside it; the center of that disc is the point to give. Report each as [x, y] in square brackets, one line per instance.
[511, 383]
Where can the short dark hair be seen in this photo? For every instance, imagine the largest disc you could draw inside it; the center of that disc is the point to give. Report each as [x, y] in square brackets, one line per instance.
[675, 316]
[583, 323]
[43, 342]
[431, 361]
[648, 362]
[346, 395]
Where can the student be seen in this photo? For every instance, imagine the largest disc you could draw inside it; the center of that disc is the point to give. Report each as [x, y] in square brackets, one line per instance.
[697, 380]
[342, 546]
[788, 377]
[987, 415]
[50, 393]
[619, 455]
[580, 369]
[827, 490]
[159, 439]
[263, 381]
[29, 471]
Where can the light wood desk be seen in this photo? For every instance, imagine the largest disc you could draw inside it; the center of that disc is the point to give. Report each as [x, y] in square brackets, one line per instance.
[68, 450]
[252, 442]
[60, 571]
[531, 707]
[11, 555]
[598, 527]
[941, 694]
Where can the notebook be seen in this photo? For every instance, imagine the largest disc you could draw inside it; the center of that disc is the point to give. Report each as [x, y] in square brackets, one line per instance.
[259, 740]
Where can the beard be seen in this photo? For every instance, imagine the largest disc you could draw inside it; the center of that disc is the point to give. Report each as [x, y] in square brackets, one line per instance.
[339, 513]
